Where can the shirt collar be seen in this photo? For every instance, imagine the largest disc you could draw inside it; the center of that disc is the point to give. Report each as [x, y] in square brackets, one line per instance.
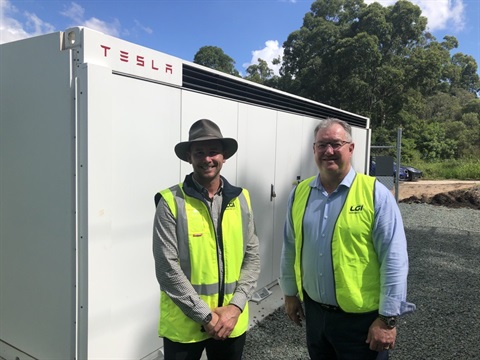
[202, 190]
[346, 182]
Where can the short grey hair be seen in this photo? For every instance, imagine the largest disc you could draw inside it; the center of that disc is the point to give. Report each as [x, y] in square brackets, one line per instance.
[325, 124]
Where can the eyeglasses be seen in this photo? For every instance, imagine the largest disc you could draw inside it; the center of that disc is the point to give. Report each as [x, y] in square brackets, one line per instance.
[335, 145]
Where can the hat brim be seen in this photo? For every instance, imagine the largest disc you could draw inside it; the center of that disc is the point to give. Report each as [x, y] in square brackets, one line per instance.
[230, 147]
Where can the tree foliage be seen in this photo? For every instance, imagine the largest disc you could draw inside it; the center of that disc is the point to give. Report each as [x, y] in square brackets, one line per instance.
[214, 58]
[259, 73]
[382, 63]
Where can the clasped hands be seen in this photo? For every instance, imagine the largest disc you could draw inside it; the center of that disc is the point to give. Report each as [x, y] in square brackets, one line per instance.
[223, 322]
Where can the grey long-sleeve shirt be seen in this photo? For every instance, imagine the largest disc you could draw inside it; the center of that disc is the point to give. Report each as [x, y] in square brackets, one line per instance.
[170, 276]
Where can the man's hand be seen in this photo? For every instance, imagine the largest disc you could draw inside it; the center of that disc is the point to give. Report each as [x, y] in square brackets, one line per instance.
[380, 337]
[294, 310]
[210, 327]
[227, 319]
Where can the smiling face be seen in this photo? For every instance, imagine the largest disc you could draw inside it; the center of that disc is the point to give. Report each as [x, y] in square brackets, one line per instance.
[207, 160]
[333, 151]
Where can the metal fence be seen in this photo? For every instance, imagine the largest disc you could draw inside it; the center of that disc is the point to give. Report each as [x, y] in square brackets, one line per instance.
[390, 178]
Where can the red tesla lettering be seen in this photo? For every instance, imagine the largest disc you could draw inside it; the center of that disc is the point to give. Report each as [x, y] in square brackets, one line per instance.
[139, 59]
[124, 56]
[105, 48]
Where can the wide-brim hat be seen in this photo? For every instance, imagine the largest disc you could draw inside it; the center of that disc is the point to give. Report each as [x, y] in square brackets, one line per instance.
[204, 130]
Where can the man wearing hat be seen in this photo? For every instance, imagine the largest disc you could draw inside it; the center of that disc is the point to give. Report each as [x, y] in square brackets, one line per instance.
[206, 253]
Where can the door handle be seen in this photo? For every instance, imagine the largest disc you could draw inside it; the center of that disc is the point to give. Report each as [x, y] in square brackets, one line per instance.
[272, 192]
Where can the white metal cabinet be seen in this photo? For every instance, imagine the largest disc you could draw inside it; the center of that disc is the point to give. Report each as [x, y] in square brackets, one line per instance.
[132, 130]
[86, 140]
[292, 162]
[37, 198]
[256, 163]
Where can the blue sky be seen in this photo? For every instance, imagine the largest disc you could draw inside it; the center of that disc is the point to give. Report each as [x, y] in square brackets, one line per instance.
[244, 29]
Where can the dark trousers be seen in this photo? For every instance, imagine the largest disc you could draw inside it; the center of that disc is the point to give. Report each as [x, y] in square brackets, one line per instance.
[229, 349]
[336, 335]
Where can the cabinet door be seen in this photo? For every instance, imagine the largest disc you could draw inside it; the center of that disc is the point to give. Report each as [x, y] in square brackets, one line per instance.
[37, 201]
[131, 129]
[256, 169]
[290, 160]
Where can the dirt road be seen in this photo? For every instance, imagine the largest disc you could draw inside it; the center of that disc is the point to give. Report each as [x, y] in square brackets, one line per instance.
[429, 188]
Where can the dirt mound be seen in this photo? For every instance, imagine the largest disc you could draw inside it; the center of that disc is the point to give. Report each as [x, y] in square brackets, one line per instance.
[464, 198]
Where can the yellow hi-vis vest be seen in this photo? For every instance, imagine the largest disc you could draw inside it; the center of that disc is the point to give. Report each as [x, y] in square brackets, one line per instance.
[355, 264]
[197, 251]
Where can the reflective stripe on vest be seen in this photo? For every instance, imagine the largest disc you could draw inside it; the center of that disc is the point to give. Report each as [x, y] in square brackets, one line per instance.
[357, 282]
[197, 251]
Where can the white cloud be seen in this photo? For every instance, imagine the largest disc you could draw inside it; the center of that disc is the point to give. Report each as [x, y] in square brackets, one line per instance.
[77, 13]
[37, 25]
[441, 14]
[112, 28]
[146, 29]
[15, 25]
[12, 29]
[271, 51]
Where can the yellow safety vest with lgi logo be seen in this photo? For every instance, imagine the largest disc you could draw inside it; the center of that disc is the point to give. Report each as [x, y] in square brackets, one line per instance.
[355, 263]
[197, 251]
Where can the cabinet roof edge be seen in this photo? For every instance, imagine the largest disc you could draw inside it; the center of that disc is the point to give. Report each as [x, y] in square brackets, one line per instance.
[129, 59]
[122, 56]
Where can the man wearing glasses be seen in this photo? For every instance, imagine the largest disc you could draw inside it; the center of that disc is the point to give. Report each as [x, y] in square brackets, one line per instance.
[344, 255]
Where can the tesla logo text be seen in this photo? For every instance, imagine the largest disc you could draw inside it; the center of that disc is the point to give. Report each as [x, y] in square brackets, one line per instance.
[139, 60]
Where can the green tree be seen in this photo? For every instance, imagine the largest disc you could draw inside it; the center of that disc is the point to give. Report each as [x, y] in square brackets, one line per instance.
[442, 107]
[435, 145]
[214, 58]
[345, 42]
[382, 63]
[473, 106]
[355, 56]
[442, 117]
[259, 73]
[470, 138]
[465, 73]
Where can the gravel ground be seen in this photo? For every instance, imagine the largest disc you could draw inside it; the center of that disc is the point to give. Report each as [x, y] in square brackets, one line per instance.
[444, 283]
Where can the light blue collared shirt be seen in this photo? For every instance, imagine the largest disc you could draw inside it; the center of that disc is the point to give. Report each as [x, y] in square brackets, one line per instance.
[320, 217]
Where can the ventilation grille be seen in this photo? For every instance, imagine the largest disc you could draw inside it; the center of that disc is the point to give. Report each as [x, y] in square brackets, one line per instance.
[211, 83]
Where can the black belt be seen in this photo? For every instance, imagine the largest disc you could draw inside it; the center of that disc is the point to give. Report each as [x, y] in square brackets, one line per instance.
[331, 308]
[326, 307]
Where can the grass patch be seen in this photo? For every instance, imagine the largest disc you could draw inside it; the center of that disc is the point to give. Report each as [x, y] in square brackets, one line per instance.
[463, 169]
